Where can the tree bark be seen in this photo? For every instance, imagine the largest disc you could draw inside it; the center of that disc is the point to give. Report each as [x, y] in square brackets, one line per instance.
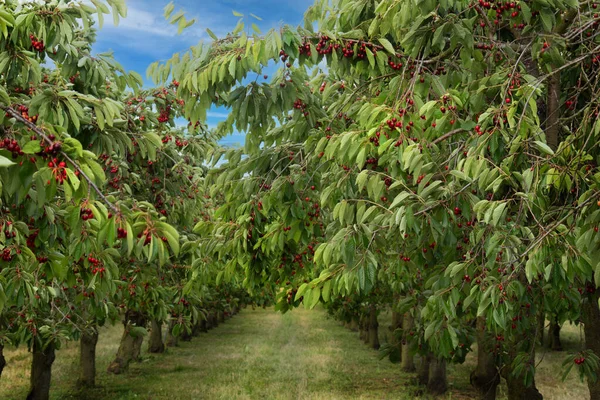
[41, 372]
[554, 335]
[2, 359]
[87, 358]
[172, 341]
[373, 328]
[354, 325]
[438, 380]
[214, 321]
[541, 327]
[408, 363]
[517, 389]
[485, 378]
[155, 342]
[185, 335]
[221, 316]
[131, 346]
[423, 370]
[363, 329]
[591, 327]
[396, 321]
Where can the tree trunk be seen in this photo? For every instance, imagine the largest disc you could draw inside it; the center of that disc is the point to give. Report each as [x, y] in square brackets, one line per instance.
[364, 333]
[87, 358]
[354, 325]
[2, 359]
[541, 326]
[41, 372]
[221, 316]
[423, 370]
[185, 335]
[214, 321]
[196, 329]
[408, 363]
[438, 380]
[131, 346]
[485, 378]
[172, 341]
[373, 328]
[203, 327]
[155, 343]
[591, 327]
[554, 335]
[396, 321]
[517, 389]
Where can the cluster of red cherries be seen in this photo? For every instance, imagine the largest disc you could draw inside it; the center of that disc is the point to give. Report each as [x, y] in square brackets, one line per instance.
[11, 145]
[37, 44]
[86, 214]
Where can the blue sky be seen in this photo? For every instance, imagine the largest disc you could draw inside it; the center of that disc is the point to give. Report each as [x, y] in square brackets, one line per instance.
[144, 36]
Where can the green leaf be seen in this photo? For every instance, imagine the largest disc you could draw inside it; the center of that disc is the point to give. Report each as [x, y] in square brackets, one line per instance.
[32, 147]
[544, 148]
[73, 179]
[387, 45]
[169, 9]
[237, 14]
[211, 34]
[5, 162]
[138, 331]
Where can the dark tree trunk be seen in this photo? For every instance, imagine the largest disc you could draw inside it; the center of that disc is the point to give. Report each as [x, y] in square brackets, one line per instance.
[196, 329]
[155, 342]
[214, 321]
[363, 329]
[354, 325]
[408, 363]
[438, 380]
[373, 328]
[203, 327]
[396, 321]
[87, 358]
[591, 327]
[423, 370]
[185, 335]
[41, 372]
[485, 378]
[554, 335]
[541, 327]
[172, 341]
[221, 316]
[517, 389]
[2, 359]
[131, 345]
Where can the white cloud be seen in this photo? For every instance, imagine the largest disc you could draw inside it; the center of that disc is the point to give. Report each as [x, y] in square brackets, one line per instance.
[212, 114]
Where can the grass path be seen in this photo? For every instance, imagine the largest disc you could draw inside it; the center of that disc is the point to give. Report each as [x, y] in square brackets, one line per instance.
[261, 354]
[257, 355]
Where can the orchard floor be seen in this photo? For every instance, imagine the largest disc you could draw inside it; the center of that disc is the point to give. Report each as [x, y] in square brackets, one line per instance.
[261, 354]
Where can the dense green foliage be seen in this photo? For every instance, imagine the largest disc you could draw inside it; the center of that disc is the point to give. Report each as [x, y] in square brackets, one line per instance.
[439, 156]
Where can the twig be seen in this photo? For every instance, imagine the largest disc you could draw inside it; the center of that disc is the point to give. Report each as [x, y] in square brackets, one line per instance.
[12, 112]
[447, 135]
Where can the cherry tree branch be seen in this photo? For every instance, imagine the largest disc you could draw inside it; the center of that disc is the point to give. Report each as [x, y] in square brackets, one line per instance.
[13, 113]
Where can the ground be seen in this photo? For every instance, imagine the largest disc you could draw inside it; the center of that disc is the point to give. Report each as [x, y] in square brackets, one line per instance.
[261, 354]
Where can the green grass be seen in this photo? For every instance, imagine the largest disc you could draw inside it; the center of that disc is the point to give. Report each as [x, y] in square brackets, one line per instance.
[261, 354]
